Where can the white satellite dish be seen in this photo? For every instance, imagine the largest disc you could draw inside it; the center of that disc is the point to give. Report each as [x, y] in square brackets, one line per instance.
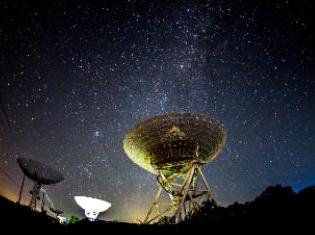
[62, 219]
[92, 206]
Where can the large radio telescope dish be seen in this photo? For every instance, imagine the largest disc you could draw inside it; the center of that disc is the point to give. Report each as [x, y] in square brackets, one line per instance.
[169, 142]
[174, 147]
[40, 174]
[92, 206]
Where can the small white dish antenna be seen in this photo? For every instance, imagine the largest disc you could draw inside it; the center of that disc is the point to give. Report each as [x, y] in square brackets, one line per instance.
[92, 206]
[62, 219]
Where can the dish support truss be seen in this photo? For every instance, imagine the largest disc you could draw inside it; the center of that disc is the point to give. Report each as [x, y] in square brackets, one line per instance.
[34, 192]
[35, 195]
[186, 194]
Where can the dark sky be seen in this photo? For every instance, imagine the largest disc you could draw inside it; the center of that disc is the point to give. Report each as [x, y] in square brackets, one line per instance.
[75, 77]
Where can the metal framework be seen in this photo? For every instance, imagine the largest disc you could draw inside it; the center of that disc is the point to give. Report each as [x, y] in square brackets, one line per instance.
[186, 194]
[35, 195]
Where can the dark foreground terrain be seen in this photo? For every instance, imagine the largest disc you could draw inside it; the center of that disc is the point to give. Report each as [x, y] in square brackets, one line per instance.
[276, 208]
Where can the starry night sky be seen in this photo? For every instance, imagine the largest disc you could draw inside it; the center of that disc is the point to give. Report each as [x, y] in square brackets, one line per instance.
[75, 77]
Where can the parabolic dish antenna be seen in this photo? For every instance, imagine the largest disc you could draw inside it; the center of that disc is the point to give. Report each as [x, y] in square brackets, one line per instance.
[175, 147]
[92, 206]
[40, 174]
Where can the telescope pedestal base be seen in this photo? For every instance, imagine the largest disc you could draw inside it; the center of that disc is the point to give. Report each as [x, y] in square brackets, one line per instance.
[35, 195]
[186, 194]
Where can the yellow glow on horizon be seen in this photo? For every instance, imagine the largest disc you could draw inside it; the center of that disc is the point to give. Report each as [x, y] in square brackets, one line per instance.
[12, 194]
[8, 195]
